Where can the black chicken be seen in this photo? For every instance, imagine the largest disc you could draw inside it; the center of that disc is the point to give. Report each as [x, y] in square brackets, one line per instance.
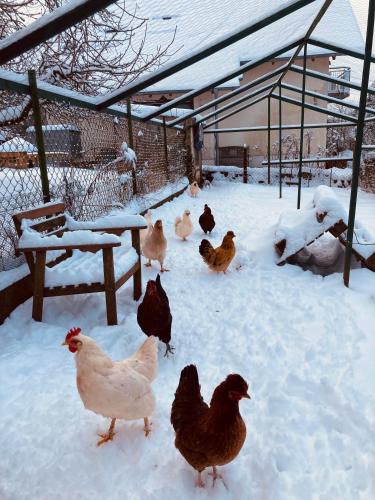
[206, 220]
[154, 315]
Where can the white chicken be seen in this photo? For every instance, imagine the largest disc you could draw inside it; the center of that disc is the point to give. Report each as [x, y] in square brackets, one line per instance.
[183, 226]
[194, 189]
[145, 232]
[114, 389]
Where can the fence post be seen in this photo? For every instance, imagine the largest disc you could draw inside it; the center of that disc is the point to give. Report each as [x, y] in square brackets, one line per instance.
[165, 148]
[131, 141]
[302, 127]
[39, 135]
[280, 145]
[269, 141]
[358, 142]
[245, 164]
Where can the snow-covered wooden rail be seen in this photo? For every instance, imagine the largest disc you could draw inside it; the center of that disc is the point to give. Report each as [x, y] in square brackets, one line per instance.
[330, 160]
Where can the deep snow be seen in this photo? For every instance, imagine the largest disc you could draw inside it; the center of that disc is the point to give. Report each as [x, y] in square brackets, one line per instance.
[304, 343]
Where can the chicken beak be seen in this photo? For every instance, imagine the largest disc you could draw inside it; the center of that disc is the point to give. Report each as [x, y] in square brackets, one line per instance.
[247, 396]
[64, 343]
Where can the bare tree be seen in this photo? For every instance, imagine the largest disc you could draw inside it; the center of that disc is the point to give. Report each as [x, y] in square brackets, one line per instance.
[99, 54]
[369, 133]
[340, 139]
[14, 13]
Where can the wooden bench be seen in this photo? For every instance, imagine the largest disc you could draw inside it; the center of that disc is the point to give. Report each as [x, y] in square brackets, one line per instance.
[50, 220]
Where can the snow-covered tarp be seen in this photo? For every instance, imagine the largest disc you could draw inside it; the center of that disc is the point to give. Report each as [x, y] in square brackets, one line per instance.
[296, 229]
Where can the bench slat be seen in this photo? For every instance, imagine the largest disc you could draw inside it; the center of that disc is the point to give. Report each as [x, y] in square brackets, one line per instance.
[88, 248]
[73, 289]
[49, 224]
[36, 213]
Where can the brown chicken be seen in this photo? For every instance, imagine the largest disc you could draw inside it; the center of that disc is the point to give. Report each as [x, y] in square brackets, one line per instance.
[154, 314]
[208, 436]
[206, 220]
[218, 259]
[155, 245]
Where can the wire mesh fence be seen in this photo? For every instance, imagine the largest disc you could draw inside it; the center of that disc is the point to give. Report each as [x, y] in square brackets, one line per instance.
[89, 164]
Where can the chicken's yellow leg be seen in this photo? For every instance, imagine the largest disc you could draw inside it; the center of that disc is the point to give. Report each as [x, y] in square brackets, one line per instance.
[200, 482]
[109, 435]
[215, 475]
[147, 427]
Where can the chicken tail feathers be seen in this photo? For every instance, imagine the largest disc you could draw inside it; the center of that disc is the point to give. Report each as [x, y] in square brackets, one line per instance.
[161, 290]
[145, 360]
[188, 402]
[177, 221]
[207, 252]
[189, 381]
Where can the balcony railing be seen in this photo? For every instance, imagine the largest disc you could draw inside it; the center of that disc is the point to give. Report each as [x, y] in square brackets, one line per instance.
[337, 90]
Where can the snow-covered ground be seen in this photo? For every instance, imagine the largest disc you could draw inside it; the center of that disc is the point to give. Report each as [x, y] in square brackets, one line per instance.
[305, 344]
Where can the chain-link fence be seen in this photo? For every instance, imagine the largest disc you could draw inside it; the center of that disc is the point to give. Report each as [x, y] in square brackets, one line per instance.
[318, 170]
[89, 164]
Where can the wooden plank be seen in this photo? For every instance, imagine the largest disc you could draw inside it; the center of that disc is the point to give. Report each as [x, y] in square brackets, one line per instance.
[165, 200]
[58, 291]
[14, 295]
[370, 262]
[137, 277]
[49, 224]
[85, 248]
[337, 229]
[109, 286]
[114, 230]
[38, 279]
[126, 276]
[43, 211]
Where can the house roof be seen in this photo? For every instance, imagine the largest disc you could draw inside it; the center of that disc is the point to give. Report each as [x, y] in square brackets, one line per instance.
[200, 22]
[17, 145]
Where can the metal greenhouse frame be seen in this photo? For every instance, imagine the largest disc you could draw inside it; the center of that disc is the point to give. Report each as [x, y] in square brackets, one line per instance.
[66, 16]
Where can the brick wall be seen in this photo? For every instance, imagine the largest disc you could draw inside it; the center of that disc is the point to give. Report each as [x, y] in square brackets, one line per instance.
[151, 157]
[367, 175]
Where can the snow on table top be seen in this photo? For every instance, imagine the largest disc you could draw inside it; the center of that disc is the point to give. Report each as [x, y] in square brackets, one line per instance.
[86, 267]
[114, 220]
[33, 239]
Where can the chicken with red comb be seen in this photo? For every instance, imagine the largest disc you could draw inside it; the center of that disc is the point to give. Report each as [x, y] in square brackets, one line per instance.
[114, 389]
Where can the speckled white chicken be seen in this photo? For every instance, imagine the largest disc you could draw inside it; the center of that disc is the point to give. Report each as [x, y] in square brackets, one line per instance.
[183, 226]
[114, 389]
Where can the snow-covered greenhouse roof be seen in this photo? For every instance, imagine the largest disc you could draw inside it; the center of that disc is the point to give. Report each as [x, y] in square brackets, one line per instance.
[198, 24]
